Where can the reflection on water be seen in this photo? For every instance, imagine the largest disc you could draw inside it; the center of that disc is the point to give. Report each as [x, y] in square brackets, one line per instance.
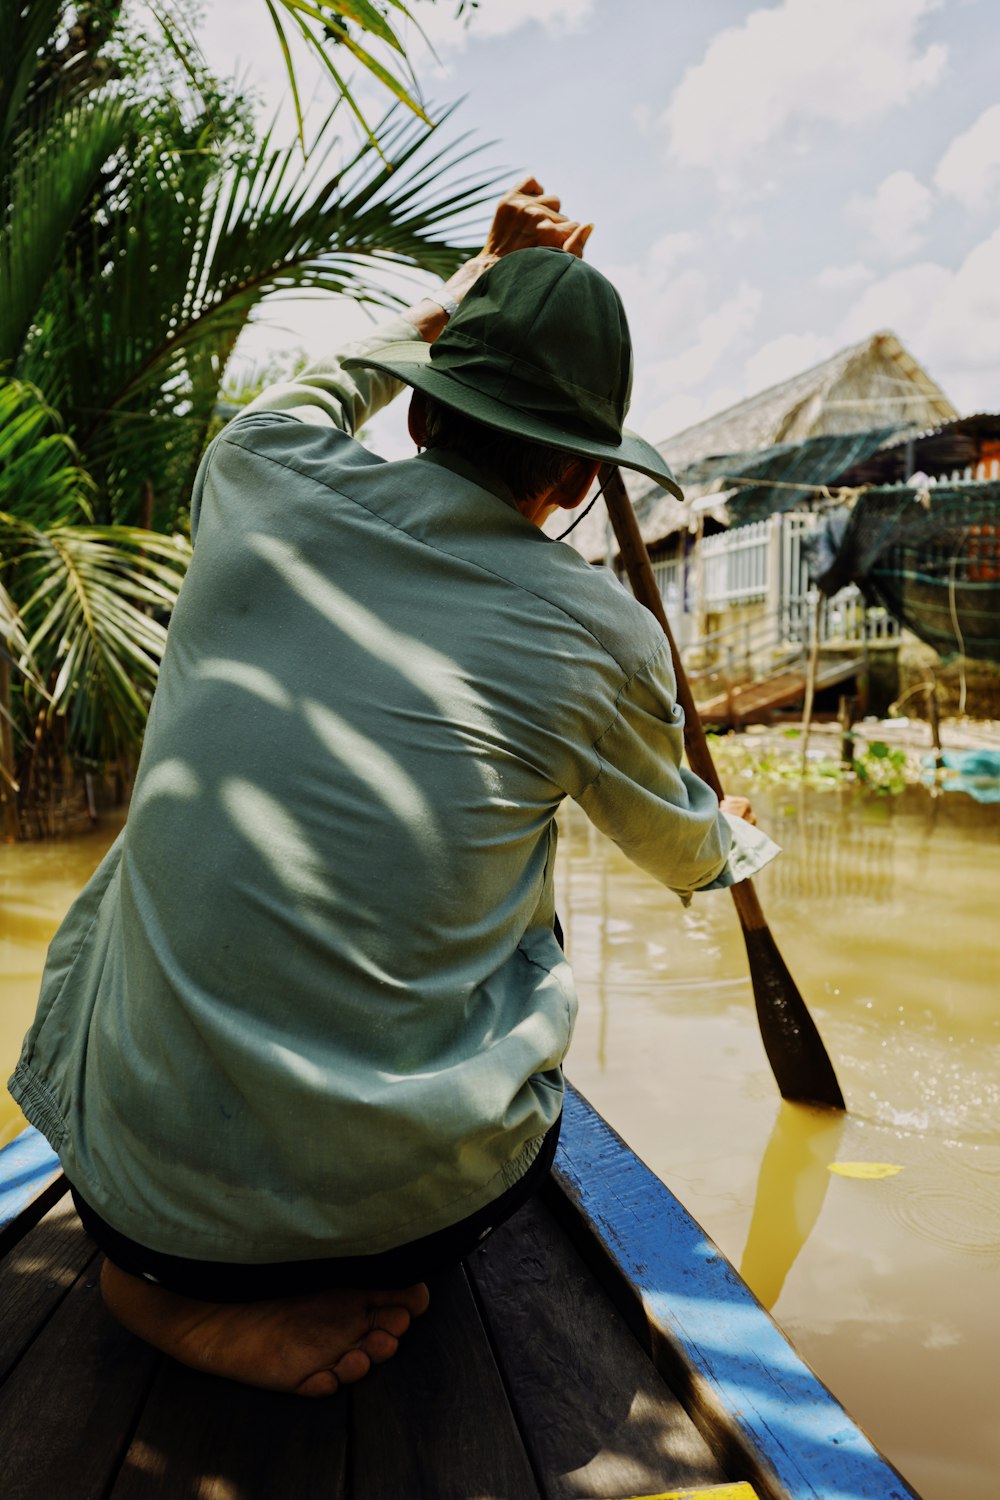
[38, 882]
[885, 911]
[791, 1186]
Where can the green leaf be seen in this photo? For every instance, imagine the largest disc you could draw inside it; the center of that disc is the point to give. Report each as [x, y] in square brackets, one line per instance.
[53, 172]
[289, 69]
[91, 633]
[366, 16]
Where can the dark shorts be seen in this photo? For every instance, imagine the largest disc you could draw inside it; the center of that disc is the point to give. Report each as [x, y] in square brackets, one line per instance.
[226, 1281]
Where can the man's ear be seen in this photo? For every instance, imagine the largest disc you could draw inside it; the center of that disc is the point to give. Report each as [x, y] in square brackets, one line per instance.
[575, 485]
[416, 419]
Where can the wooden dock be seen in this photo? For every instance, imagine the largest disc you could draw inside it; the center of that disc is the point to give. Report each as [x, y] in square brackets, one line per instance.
[754, 702]
[598, 1345]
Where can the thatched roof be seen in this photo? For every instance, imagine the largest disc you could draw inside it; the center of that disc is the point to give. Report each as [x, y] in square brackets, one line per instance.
[875, 383]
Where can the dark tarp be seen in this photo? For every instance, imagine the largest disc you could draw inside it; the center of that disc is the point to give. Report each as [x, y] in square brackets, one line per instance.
[932, 558]
[803, 466]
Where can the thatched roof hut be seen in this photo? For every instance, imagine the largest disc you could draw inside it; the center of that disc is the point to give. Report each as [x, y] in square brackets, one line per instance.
[872, 384]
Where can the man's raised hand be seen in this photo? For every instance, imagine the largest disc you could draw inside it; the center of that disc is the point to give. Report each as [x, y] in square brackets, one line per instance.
[525, 217]
[528, 216]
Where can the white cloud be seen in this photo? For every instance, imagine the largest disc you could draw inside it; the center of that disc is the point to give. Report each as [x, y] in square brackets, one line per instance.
[743, 227]
[784, 356]
[664, 299]
[970, 168]
[796, 63]
[947, 318]
[665, 252]
[499, 18]
[894, 216]
[962, 323]
[898, 301]
[668, 385]
[844, 278]
[682, 334]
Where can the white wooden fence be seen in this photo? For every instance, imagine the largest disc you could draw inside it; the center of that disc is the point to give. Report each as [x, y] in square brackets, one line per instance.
[737, 565]
[979, 473]
[764, 563]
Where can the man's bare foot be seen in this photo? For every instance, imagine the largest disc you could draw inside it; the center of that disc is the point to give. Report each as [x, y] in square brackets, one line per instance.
[305, 1345]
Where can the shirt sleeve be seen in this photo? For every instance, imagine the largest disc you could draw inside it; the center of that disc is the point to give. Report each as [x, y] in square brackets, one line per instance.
[662, 816]
[325, 395]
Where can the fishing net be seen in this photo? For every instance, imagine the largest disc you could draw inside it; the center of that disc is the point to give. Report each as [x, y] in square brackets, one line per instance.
[769, 480]
[931, 557]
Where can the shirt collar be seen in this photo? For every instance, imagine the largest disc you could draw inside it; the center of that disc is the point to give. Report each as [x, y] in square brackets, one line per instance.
[484, 478]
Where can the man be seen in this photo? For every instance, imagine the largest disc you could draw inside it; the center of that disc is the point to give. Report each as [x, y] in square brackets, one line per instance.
[300, 1038]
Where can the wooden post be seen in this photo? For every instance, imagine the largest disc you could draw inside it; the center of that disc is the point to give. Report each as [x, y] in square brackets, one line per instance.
[811, 672]
[775, 596]
[728, 682]
[846, 713]
[935, 720]
[701, 604]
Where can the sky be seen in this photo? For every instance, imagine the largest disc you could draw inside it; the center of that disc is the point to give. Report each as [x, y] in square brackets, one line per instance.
[768, 182]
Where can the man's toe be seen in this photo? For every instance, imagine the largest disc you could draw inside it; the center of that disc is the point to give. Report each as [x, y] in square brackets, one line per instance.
[379, 1345]
[394, 1320]
[352, 1366]
[322, 1383]
[415, 1299]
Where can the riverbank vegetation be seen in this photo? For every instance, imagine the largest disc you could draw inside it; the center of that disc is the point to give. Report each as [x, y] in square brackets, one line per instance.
[144, 220]
[884, 756]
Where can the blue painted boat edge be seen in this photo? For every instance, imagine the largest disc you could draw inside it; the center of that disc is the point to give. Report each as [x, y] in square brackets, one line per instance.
[28, 1166]
[755, 1399]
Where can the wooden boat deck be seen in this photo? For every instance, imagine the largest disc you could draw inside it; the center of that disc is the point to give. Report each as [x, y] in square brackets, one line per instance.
[549, 1366]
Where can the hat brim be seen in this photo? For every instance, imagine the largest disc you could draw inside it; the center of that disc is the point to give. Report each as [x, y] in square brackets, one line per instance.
[410, 361]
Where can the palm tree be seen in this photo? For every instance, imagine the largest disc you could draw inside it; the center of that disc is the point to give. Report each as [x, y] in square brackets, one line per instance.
[355, 26]
[87, 629]
[141, 226]
[188, 248]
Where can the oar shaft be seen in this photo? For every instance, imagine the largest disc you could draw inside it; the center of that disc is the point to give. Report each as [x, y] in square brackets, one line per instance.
[799, 1061]
[640, 574]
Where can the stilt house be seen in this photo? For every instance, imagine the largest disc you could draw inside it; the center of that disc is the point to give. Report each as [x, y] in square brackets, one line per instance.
[730, 561]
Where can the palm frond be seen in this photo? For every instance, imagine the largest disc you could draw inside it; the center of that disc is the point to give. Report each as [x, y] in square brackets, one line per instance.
[95, 611]
[322, 22]
[25, 30]
[14, 644]
[55, 169]
[41, 479]
[191, 251]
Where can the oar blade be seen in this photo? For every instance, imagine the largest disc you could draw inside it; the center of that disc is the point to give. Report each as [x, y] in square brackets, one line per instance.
[799, 1061]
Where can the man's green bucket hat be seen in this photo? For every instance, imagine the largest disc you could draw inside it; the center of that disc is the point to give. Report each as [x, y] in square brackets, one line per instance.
[539, 349]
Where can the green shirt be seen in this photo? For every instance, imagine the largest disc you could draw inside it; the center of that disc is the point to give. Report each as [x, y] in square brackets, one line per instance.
[311, 1003]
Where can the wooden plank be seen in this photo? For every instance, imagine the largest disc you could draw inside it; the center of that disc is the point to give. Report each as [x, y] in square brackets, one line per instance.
[199, 1436]
[753, 699]
[35, 1277]
[739, 1491]
[759, 1405]
[596, 1416]
[31, 1181]
[434, 1423]
[68, 1408]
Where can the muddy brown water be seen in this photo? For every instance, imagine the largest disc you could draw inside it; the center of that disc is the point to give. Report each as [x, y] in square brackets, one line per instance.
[886, 912]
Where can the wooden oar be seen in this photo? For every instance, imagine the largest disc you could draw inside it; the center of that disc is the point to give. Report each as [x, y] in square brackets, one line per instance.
[799, 1061]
